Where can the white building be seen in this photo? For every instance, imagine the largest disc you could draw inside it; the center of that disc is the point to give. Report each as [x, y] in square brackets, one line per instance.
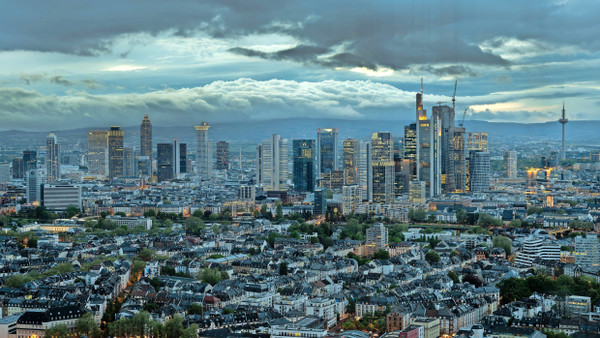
[60, 196]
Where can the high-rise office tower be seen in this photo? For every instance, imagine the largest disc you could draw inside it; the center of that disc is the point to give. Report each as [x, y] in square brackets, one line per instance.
[272, 163]
[510, 164]
[115, 152]
[320, 202]
[410, 148]
[33, 182]
[350, 154]
[222, 155]
[377, 238]
[304, 165]
[445, 115]
[327, 150]
[176, 156]
[165, 157]
[17, 168]
[477, 141]
[587, 251]
[129, 162]
[97, 153]
[284, 164]
[402, 168]
[5, 175]
[29, 160]
[203, 152]
[428, 149]
[479, 171]
[183, 160]
[382, 162]
[146, 137]
[365, 170]
[144, 165]
[351, 199]
[52, 159]
[459, 159]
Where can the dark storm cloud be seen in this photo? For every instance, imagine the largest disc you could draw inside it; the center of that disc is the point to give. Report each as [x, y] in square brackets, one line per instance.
[454, 70]
[370, 34]
[59, 79]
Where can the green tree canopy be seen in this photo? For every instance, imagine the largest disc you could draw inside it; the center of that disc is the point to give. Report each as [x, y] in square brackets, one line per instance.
[504, 243]
[432, 256]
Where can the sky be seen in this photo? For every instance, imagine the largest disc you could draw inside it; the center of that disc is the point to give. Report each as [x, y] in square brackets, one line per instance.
[74, 64]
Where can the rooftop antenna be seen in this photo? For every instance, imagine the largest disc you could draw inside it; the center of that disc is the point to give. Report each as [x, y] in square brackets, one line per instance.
[421, 85]
[454, 96]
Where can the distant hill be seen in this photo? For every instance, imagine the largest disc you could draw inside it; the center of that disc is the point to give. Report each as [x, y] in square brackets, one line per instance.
[255, 131]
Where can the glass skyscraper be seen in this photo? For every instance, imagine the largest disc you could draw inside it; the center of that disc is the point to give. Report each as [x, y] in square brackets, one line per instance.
[304, 165]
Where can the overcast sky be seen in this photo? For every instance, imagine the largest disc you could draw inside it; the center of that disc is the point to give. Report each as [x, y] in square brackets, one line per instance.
[70, 64]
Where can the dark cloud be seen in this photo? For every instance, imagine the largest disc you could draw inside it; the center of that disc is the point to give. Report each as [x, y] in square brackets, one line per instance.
[454, 70]
[379, 33]
[61, 80]
[31, 78]
[91, 84]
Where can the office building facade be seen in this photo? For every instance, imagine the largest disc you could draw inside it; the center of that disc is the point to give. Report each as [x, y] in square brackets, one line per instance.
[479, 171]
[327, 150]
[115, 152]
[165, 156]
[97, 153]
[382, 163]
[52, 158]
[304, 165]
[222, 155]
[58, 197]
[510, 164]
[203, 152]
[350, 153]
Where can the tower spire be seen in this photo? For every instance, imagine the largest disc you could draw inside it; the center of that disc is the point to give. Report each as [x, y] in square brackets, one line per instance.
[563, 121]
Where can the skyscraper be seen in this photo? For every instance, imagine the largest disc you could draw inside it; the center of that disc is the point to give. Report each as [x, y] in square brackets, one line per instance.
[428, 149]
[222, 155]
[115, 152]
[510, 164]
[146, 137]
[203, 153]
[445, 114]
[377, 238]
[272, 163]
[327, 150]
[129, 163]
[350, 154]
[479, 171]
[477, 141]
[410, 148]
[459, 159]
[33, 182]
[165, 161]
[183, 160]
[365, 170]
[304, 165]
[97, 154]
[382, 161]
[52, 159]
[17, 168]
[320, 202]
[29, 160]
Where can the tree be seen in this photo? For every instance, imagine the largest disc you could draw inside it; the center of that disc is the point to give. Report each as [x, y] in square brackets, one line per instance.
[432, 256]
[534, 210]
[58, 331]
[504, 243]
[516, 223]
[512, 289]
[279, 210]
[87, 325]
[15, 281]
[211, 276]
[461, 216]
[194, 226]
[454, 276]
[433, 242]
[488, 221]
[71, 210]
[271, 238]
[150, 213]
[195, 309]
[417, 215]
[283, 269]
[174, 327]
[472, 279]
[146, 255]
[191, 331]
[381, 254]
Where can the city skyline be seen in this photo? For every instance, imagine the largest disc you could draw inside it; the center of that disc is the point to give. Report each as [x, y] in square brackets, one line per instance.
[228, 62]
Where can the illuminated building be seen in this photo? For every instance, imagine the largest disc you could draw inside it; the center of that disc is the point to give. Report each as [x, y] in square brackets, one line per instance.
[479, 171]
[115, 152]
[382, 163]
[428, 149]
[459, 160]
[587, 251]
[327, 150]
[129, 163]
[376, 238]
[17, 168]
[410, 148]
[510, 164]
[445, 116]
[203, 152]
[351, 199]
[416, 193]
[350, 155]
[364, 171]
[33, 182]
[146, 137]
[97, 153]
[320, 202]
[52, 159]
[477, 141]
[304, 165]
[29, 160]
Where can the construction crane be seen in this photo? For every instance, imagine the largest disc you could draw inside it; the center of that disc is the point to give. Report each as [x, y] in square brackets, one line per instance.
[454, 96]
[460, 124]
